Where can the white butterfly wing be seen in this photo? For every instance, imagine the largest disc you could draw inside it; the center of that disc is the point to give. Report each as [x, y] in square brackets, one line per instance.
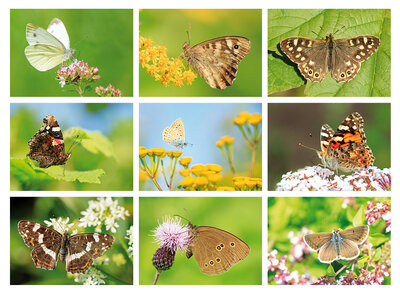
[44, 57]
[37, 35]
[58, 30]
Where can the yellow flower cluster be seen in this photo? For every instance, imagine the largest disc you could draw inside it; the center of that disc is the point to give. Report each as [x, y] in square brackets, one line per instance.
[243, 183]
[167, 70]
[204, 177]
[156, 156]
[225, 140]
[243, 117]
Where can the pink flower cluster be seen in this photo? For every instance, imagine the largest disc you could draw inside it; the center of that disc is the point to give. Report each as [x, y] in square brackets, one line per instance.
[299, 248]
[283, 276]
[77, 73]
[109, 91]
[374, 277]
[377, 211]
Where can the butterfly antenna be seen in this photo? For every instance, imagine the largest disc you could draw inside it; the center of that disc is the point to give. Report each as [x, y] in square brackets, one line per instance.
[74, 144]
[307, 147]
[338, 30]
[189, 32]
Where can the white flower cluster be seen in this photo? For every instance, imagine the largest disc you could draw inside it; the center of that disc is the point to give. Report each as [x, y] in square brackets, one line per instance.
[129, 236]
[317, 178]
[61, 225]
[92, 277]
[103, 211]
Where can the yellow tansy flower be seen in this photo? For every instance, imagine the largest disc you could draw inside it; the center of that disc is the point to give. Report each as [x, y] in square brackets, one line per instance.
[255, 119]
[200, 181]
[214, 178]
[225, 188]
[185, 161]
[187, 181]
[214, 167]
[185, 172]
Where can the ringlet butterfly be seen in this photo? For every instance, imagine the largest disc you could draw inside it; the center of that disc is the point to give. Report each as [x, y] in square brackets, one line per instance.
[339, 244]
[214, 249]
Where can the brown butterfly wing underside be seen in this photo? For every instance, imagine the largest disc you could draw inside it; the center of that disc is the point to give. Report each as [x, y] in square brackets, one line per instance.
[217, 60]
[343, 57]
[316, 241]
[216, 250]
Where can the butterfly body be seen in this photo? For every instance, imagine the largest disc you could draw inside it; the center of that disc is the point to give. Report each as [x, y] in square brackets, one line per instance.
[343, 57]
[47, 145]
[339, 244]
[215, 250]
[47, 48]
[77, 250]
[217, 60]
[346, 149]
[175, 134]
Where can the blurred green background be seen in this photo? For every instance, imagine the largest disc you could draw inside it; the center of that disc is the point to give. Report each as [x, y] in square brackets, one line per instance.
[168, 28]
[318, 214]
[222, 212]
[38, 209]
[292, 123]
[114, 121]
[102, 37]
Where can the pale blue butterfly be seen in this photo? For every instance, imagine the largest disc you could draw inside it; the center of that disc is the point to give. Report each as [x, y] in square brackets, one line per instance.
[339, 244]
[175, 134]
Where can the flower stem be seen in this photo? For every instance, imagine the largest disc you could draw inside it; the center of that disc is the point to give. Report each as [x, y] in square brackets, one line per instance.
[156, 277]
[110, 276]
[344, 266]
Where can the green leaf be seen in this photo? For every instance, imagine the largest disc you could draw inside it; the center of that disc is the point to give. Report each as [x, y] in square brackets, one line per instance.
[373, 78]
[93, 141]
[280, 77]
[359, 217]
[378, 239]
[377, 255]
[362, 261]
[27, 172]
[330, 272]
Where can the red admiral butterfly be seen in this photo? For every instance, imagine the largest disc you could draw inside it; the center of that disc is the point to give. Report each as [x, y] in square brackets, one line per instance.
[47, 145]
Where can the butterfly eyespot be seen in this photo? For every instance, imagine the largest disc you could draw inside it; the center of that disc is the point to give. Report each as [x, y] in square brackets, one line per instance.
[310, 72]
[316, 75]
[222, 245]
[218, 260]
[236, 46]
[219, 247]
[342, 75]
[290, 44]
[232, 244]
[369, 42]
[211, 262]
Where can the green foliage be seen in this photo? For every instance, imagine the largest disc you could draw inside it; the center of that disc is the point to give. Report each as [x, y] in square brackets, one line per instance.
[373, 78]
[205, 24]
[27, 172]
[226, 213]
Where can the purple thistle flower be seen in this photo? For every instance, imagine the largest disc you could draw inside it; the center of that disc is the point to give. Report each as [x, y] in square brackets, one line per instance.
[172, 234]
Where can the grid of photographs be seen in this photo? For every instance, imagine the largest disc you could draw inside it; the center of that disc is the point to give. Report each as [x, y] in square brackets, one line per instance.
[200, 147]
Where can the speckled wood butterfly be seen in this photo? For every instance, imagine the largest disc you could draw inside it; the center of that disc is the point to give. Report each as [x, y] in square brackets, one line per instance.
[343, 57]
[217, 60]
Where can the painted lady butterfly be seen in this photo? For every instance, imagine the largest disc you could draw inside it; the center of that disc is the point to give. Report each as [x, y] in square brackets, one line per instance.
[346, 149]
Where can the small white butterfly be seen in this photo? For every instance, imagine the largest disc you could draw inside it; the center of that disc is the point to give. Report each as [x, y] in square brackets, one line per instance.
[47, 49]
[175, 134]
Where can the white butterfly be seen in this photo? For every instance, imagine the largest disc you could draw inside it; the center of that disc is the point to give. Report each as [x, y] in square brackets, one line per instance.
[47, 49]
[175, 134]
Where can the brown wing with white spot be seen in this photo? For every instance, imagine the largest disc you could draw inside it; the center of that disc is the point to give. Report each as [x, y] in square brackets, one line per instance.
[349, 53]
[311, 56]
[85, 247]
[217, 60]
[45, 241]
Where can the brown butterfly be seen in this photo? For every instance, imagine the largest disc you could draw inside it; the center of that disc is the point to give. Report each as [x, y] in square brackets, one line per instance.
[343, 57]
[339, 244]
[214, 249]
[217, 60]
